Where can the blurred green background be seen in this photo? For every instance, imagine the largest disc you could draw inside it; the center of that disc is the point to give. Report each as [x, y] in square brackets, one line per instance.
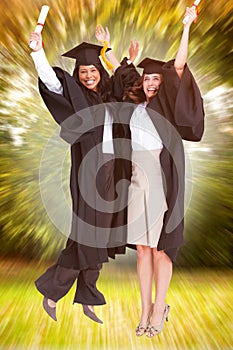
[30, 241]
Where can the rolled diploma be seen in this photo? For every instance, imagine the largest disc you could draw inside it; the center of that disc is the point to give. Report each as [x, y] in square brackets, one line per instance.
[195, 4]
[41, 20]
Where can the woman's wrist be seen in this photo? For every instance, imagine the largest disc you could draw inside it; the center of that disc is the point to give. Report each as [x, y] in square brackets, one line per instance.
[187, 27]
[36, 50]
[105, 42]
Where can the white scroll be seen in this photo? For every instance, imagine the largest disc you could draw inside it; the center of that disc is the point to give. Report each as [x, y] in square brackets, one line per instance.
[40, 24]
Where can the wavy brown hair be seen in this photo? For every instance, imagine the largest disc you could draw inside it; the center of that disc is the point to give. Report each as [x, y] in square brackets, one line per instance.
[135, 93]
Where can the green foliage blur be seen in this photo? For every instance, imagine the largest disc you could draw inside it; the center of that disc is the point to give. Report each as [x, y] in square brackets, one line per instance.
[25, 125]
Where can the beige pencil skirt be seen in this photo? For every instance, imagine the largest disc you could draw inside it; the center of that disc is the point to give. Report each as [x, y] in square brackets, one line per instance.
[147, 202]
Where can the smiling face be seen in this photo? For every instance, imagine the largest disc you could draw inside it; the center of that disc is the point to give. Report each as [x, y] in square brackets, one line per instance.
[89, 76]
[151, 84]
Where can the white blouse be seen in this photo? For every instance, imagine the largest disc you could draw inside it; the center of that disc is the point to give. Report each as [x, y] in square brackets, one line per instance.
[49, 78]
[144, 135]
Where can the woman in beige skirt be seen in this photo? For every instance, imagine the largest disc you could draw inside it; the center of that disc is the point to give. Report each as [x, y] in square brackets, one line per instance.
[146, 208]
[165, 94]
[147, 204]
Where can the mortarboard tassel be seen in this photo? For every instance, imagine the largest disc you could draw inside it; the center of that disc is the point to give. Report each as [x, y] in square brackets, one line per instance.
[102, 54]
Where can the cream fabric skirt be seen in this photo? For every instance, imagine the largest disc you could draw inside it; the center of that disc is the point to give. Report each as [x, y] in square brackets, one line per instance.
[147, 202]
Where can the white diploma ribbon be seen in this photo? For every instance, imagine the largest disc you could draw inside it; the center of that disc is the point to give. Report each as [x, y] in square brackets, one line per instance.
[40, 23]
[195, 4]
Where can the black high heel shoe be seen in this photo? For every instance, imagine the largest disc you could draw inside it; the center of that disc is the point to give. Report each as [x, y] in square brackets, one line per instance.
[51, 311]
[91, 314]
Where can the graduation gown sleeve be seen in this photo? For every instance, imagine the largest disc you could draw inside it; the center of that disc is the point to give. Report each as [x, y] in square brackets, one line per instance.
[184, 99]
[69, 110]
[124, 77]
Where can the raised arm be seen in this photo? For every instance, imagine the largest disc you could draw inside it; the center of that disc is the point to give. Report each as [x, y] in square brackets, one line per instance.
[44, 70]
[103, 35]
[182, 53]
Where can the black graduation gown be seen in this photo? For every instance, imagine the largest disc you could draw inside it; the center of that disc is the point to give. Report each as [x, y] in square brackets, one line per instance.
[177, 113]
[90, 240]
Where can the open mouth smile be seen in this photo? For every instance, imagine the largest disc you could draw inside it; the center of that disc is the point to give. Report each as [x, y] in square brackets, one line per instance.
[90, 81]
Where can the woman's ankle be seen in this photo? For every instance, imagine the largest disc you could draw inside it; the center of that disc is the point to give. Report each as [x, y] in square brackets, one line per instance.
[51, 303]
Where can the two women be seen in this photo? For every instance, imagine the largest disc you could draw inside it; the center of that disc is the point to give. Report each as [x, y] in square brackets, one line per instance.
[167, 106]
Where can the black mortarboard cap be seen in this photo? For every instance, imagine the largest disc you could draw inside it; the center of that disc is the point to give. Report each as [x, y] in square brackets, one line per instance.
[85, 54]
[151, 66]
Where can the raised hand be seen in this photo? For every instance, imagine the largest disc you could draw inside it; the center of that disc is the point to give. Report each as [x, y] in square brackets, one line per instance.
[38, 38]
[191, 12]
[102, 34]
[133, 50]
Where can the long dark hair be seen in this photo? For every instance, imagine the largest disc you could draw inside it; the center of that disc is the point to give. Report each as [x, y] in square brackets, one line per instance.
[104, 93]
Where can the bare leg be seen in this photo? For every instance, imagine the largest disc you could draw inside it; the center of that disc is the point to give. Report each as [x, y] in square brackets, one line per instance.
[162, 274]
[145, 276]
